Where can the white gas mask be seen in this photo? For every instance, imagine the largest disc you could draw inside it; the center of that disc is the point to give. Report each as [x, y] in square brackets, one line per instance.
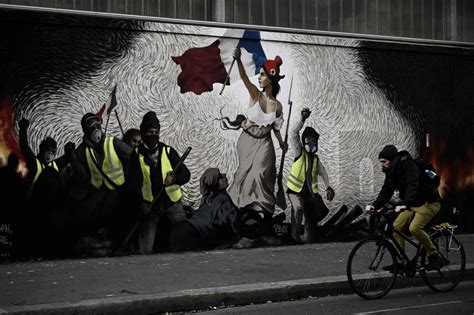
[96, 135]
[311, 148]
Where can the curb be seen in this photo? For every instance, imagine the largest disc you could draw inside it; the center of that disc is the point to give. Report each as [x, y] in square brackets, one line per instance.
[202, 299]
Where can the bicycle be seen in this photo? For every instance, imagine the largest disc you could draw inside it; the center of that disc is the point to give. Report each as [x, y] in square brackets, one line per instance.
[365, 262]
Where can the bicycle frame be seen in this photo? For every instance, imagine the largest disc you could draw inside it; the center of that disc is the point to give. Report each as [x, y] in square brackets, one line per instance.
[388, 235]
[401, 252]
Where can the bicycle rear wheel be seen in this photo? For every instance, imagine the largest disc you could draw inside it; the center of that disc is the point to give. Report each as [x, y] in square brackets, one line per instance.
[448, 277]
[364, 268]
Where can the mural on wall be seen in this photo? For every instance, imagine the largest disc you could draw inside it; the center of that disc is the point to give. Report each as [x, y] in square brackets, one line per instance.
[232, 106]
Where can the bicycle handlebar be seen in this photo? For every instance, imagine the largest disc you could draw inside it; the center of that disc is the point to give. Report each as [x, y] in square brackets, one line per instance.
[388, 210]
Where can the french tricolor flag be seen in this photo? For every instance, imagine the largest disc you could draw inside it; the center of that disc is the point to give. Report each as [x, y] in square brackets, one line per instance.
[202, 67]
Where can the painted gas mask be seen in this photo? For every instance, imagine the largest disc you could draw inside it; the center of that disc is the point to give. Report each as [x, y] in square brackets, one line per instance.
[47, 150]
[92, 129]
[311, 145]
[96, 135]
[48, 156]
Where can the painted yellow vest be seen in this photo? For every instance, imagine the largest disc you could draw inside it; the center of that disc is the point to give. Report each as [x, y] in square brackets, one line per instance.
[298, 173]
[111, 166]
[173, 191]
[40, 167]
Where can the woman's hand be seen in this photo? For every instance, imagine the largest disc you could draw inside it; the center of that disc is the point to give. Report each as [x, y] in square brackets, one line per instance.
[330, 193]
[236, 54]
[369, 209]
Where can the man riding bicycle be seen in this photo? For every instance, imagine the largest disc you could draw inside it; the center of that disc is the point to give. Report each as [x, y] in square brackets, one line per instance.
[402, 174]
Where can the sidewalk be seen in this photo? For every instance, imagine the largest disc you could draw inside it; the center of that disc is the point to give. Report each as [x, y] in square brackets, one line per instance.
[185, 281]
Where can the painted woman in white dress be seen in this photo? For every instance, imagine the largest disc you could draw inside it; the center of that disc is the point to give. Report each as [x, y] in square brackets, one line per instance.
[254, 181]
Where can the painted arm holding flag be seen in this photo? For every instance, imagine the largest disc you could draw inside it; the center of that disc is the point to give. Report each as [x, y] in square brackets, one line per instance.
[253, 91]
[271, 88]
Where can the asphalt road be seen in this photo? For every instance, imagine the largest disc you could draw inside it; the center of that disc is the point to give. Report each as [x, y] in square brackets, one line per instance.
[404, 301]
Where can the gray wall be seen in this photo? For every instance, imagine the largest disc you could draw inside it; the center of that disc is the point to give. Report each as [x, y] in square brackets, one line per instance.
[429, 19]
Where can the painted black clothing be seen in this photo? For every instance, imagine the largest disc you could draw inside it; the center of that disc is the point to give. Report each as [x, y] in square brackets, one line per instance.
[214, 223]
[404, 175]
[184, 236]
[30, 157]
[135, 176]
[101, 216]
[216, 214]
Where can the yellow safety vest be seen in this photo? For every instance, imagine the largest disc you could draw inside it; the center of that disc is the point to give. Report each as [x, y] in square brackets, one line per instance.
[40, 167]
[298, 173]
[173, 191]
[111, 166]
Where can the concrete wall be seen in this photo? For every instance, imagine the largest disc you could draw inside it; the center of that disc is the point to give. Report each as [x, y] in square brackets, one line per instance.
[363, 94]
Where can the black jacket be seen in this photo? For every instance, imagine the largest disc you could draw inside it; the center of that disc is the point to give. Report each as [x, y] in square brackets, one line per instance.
[404, 175]
[135, 176]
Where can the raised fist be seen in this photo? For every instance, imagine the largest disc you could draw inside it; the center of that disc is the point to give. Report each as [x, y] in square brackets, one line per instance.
[305, 113]
[24, 124]
[69, 148]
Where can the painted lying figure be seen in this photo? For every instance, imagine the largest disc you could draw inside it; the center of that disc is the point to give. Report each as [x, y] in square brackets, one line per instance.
[214, 223]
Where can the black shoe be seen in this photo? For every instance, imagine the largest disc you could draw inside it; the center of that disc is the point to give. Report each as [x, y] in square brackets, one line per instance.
[435, 262]
[391, 268]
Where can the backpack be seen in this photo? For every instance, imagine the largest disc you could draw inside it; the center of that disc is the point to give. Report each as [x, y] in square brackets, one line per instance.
[428, 174]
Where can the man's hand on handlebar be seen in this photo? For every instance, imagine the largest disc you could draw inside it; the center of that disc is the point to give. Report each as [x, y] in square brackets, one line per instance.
[400, 208]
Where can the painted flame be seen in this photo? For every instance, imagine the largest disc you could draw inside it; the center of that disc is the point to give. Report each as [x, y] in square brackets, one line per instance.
[8, 142]
[456, 172]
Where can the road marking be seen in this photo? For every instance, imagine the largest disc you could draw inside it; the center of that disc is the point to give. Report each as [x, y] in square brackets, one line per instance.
[412, 307]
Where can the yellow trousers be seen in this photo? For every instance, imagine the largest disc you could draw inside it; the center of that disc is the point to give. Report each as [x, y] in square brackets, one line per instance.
[415, 220]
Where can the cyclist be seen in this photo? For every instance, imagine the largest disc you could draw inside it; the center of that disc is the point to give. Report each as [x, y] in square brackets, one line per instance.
[402, 174]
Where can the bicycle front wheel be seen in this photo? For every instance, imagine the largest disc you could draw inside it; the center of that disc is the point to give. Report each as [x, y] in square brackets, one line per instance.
[364, 268]
[447, 277]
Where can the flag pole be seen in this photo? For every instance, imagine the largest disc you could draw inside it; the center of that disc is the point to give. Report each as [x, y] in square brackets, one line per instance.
[280, 196]
[110, 105]
[227, 78]
[106, 124]
[120, 124]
